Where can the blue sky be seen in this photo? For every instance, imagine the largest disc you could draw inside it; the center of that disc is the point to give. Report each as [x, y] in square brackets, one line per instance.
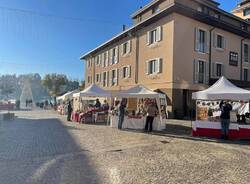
[54, 34]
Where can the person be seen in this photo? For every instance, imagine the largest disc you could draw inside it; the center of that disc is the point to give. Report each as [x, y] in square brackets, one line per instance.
[69, 111]
[225, 108]
[105, 105]
[121, 113]
[151, 113]
[98, 104]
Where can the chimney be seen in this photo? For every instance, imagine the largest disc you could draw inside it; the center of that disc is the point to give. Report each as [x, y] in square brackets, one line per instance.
[123, 27]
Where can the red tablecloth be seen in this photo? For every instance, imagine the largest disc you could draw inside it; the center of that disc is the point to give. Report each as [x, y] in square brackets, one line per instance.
[213, 130]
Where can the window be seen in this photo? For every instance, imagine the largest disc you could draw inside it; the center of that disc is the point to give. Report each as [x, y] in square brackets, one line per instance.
[97, 60]
[139, 18]
[201, 72]
[201, 43]
[245, 74]
[126, 72]
[218, 70]
[105, 79]
[154, 66]
[155, 9]
[246, 52]
[89, 79]
[89, 63]
[114, 78]
[97, 79]
[233, 58]
[114, 56]
[126, 48]
[105, 58]
[154, 36]
[246, 12]
[219, 41]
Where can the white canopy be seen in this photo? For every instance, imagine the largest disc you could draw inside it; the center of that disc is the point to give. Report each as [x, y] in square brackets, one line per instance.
[92, 91]
[68, 95]
[139, 92]
[222, 90]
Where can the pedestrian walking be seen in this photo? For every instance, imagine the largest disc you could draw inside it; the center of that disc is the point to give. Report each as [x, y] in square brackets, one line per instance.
[225, 118]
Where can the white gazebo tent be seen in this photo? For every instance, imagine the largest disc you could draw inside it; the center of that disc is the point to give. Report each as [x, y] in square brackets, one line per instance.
[222, 90]
[92, 91]
[67, 96]
[141, 92]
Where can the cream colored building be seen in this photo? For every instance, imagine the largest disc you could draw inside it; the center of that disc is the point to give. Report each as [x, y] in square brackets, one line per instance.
[175, 47]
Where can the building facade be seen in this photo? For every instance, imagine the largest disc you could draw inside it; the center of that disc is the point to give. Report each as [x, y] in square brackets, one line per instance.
[175, 47]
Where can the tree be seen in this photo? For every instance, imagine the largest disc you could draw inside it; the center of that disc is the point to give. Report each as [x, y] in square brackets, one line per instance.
[6, 89]
[55, 83]
[82, 86]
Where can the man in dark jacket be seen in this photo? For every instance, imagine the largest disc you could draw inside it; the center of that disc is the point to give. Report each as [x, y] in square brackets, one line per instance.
[69, 111]
[225, 118]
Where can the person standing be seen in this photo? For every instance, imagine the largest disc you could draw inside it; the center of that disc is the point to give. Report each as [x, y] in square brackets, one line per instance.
[225, 118]
[151, 113]
[69, 108]
[98, 104]
[121, 113]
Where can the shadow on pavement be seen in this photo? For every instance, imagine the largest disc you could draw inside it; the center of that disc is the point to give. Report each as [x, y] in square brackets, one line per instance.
[42, 151]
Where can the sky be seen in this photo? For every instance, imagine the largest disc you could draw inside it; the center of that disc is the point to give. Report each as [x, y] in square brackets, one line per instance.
[49, 36]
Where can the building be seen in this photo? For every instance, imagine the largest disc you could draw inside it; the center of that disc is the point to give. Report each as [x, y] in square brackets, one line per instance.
[175, 47]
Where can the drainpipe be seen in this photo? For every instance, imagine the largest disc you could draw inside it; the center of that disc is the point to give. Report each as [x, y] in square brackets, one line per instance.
[241, 58]
[210, 52]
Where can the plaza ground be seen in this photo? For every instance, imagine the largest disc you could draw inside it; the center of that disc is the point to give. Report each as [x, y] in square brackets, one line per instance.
[40, 147]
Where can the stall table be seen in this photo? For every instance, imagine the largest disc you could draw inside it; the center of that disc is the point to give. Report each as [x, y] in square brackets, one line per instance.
[136, 123]
[213, 130]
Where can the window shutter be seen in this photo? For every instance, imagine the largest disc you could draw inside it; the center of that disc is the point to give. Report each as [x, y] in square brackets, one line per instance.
[147, 67]
[107, 59]
[129, 71]
[148, 38]
[159, 34]
[207, 35]
[196, 39]
[215, 40]
[117, 54]
[206, 73]
[103, 62]
[214, 74]
[129, 46]
[159, 65]
[195, 71]
[111, 56]
[222, 70]
[117, 77]
[224, 42]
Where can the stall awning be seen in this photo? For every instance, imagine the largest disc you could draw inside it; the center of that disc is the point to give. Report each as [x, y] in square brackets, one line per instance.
[223, 89]
[92, 91]
[68, 95]
[139, 92]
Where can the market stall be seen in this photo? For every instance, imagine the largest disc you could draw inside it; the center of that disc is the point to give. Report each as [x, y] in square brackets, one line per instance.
[208, 112]
[63, 100]
[138, 119]
[86, 112]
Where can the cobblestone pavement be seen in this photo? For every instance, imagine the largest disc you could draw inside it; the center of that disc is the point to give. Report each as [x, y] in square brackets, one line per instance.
[40, 147]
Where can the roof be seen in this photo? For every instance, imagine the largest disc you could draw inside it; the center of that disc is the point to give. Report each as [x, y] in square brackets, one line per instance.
[139, 92]
[163, 12]
[223, 89]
